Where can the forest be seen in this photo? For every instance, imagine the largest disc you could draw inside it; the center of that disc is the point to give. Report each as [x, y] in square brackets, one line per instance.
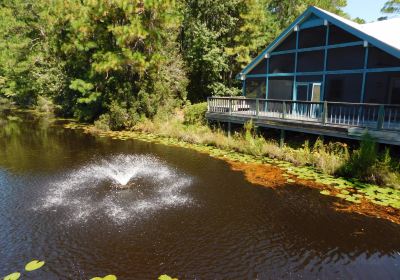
[83, 58]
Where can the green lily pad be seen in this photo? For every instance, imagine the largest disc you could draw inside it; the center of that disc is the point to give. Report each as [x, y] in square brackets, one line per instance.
[33, 265]
[108, 277]
[166, 277]
[290, 181]
[325, 192]
[13, 276]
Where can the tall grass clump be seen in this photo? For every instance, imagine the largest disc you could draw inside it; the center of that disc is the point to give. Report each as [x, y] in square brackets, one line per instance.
[368, 165]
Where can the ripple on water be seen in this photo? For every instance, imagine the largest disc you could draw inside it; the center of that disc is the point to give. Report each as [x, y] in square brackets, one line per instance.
[147, 186]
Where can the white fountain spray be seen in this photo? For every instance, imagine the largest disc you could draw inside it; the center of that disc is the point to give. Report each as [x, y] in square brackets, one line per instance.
[85, 192]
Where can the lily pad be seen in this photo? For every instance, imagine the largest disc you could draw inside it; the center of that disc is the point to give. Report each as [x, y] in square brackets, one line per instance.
[325, 192]
[33, 265]
[13, 276]
[166, 277]
[108, 277]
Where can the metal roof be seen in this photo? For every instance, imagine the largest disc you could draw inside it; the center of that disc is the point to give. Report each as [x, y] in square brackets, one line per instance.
[382, 34]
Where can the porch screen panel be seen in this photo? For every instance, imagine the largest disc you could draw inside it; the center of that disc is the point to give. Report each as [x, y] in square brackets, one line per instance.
[339, 36]
[380, 59]
[280, 88]
[313, 78]
[343, 88]
[256, 87]
[346, 58]
[382, 88]
[260, 68]
[282, 63]
[312, 37]
[287, 44]
[310, 61]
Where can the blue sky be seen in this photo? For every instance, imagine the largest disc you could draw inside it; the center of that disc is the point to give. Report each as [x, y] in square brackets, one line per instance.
[365, 9]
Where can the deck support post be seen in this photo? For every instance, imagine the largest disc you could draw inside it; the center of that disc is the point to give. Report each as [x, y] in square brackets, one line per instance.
[283, 109]
[257, 107]
[229, 129]
[282, 138]
[325, 113]
[381, 117]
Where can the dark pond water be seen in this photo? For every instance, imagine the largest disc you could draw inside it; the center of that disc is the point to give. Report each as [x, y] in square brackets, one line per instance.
[181, 213]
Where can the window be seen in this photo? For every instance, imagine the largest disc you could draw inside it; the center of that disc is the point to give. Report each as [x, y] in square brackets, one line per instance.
[255, 87]
[310, 61]
[343, 88]
[282, 63]
[280, 88]
[288, 44]
[380, 59]
[260, 68]
[339, 36]
[312, 37]
[346, 58]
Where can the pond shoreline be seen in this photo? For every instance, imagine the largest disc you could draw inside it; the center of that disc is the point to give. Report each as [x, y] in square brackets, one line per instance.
[348, 195]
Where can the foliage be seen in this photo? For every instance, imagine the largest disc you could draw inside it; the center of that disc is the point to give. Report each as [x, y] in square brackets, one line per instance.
[196, 113]
[34, 265]
[368, 165]
[391, 7]
[84, 56]
[107, 277]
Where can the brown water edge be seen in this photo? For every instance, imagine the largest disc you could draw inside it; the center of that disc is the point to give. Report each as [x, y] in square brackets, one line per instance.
[270, 176]
[255, 171]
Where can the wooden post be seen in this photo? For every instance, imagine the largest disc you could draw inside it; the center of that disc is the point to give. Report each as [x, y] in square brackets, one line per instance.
[282, 138]
[229, 129]
[381, 117]
[230, 106]
[283, 109]
[257, 107]
[325, 113]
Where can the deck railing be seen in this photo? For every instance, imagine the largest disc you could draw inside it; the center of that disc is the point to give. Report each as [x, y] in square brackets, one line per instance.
[365, 115]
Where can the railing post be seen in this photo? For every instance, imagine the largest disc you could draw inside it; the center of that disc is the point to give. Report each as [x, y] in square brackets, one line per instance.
[381, 117]
[208, 104]
[325, 113]
[283, 109]
[257, 107]
[230, 106]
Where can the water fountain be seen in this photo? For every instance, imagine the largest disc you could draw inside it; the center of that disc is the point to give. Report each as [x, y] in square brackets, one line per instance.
[121, 187]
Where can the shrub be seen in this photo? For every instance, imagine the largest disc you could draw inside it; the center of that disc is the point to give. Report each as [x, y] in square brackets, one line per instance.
[103, 122]
[45, 105]
[196, 113]
[118, 116]
[367, 165]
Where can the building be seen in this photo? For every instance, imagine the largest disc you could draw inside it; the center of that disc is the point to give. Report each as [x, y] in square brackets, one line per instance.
[325, 75]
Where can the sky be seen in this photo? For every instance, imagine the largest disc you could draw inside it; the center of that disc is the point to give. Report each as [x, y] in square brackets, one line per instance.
[369, 10]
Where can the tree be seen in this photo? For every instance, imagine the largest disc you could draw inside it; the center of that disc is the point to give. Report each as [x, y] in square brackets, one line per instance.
[391, 7]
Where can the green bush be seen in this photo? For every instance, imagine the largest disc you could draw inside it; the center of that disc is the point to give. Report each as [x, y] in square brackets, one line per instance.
[118, 116]
[45, 105]
[103, 122]
[367, 165]
[196, 113]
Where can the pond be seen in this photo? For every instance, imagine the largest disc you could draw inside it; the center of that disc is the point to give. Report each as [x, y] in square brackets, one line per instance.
[92, 206]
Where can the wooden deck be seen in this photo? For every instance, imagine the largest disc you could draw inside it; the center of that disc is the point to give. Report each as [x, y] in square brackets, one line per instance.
[344, 120]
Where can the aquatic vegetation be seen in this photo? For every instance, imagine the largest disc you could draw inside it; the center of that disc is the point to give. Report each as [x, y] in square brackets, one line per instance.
[166, 277]
[107, 277]
[33, 265]
[13, 276]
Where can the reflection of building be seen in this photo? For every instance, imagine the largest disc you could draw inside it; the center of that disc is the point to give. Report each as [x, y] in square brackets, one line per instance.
[326, 71]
